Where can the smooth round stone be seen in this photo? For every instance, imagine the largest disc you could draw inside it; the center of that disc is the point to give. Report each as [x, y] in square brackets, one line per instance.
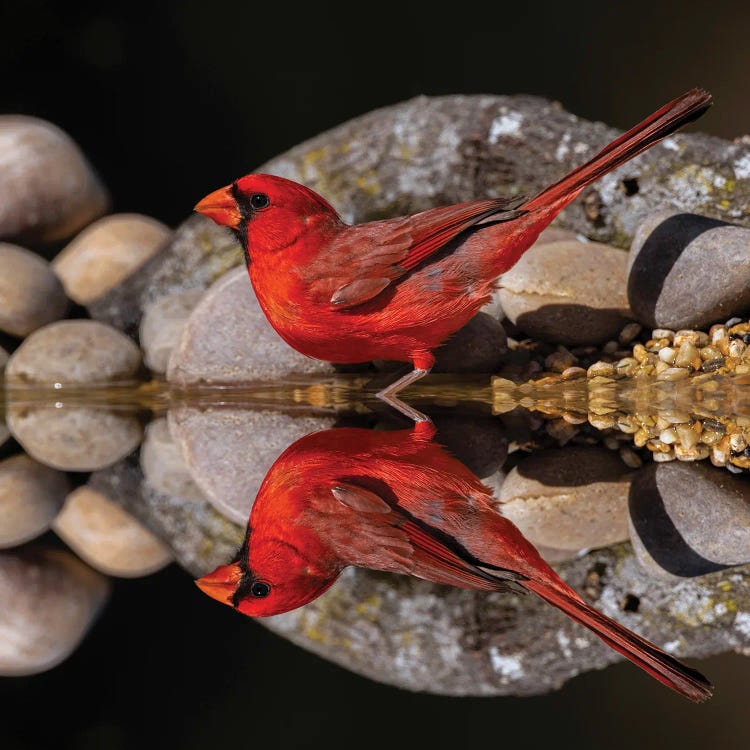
[30, 497]
[162, 463]
[48, 190]
[30, 294]
[74, 352]
[48, 601]
[569, 292]
[477, 347]
[688, 271]
[229, 452]
[568, 499]
[4, 434]
[227, 339]
[688, 520]
[494, 308]
[100, 532]
[106, 253]
[162, 325]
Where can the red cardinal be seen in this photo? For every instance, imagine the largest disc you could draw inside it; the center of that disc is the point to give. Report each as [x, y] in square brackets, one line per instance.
[396, 289]
[396, 501]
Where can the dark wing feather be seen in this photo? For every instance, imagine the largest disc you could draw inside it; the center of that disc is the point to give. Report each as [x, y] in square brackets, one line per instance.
[390, 538]
[365, 259]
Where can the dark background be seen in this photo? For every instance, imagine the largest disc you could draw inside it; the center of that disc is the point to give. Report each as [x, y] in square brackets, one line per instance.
[174, 99]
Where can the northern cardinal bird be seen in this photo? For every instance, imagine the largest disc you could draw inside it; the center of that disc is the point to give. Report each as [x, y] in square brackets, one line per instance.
[396, 501]
[397, 289]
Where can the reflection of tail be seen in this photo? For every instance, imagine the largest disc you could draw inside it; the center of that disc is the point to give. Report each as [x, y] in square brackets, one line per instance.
[665, 668]
[662, 123]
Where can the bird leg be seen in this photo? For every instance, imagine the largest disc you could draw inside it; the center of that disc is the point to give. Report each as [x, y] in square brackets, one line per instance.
[389, 395]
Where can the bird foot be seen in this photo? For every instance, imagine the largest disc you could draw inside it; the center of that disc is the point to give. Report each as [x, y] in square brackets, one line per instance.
[388, 395]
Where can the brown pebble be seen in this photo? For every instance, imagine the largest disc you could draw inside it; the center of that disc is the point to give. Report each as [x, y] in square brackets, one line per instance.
[48, 190]
[31, 495]
[50, 601]
[30, 294]
[106, 253]
[100, 532]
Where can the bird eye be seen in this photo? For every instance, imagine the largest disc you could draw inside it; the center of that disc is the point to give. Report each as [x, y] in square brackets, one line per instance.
[259, 201]
[259, 589]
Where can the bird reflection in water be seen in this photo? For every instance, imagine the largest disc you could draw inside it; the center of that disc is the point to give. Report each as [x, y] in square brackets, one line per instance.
[396, 501]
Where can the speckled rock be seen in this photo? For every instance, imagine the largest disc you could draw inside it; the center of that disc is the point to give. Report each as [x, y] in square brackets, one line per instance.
[163, 465]
[477, 347]
[431, 151]
[689, 519]
[199, 253]
[162, 325]
[227, 339]
[229, 451]
[200, 537]
[688, 271]
[568, 292]
[73, 352]
[569, 499]
[30, 497]
[48, 601]
[100, 532]
[30, 294]
[48, 191]
[107, 252]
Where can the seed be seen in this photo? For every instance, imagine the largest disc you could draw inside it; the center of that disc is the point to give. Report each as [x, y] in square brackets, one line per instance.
[698, 453]
[601, 369]
[667, 354]
[668, 436]
[663, 457]
[686, 355]
[602, 422]
[640, 353]
[709, 437]
[736, 348]
[697, 338]
[662, 333]
[713, 364]
[737, 443]
[673, 373]
[627, 425]
[687, 435]
[640, 438]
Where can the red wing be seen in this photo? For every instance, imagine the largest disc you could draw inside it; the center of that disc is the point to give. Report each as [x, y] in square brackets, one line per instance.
[435, 561]
[364, 259]
[389, 538]
[435, 228]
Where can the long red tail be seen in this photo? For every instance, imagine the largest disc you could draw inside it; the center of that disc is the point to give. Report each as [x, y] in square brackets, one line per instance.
[665, 668]
[663, 122]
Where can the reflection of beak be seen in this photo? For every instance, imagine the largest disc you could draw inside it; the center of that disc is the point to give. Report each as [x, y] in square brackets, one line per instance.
[222, 583]
[221, 207]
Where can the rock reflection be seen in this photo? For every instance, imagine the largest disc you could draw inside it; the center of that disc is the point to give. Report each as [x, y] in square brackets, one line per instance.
[565, 483]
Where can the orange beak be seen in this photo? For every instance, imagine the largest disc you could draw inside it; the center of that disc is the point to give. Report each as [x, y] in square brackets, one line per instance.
[221, 207]
[222, 583]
